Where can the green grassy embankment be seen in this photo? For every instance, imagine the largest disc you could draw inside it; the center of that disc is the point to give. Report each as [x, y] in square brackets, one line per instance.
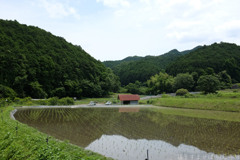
[29, 143]
[223, 101]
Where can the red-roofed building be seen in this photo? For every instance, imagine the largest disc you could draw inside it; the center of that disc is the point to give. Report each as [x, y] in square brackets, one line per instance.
[131, 99]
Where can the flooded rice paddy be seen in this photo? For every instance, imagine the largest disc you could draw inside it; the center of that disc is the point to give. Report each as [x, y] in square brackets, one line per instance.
[127, 133]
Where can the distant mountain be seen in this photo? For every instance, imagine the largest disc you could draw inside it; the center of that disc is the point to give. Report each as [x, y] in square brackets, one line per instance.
[36, 63]
[135, 68]
[112, 64]
[219, 57]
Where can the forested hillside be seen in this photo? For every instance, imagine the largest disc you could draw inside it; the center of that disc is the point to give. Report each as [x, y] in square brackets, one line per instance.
[219, 57]
[142, 69]
[112, 64]
[36, 63]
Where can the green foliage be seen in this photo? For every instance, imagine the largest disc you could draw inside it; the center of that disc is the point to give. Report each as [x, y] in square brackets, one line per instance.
[132, 88]
[209, 71]
[183, 80]
[225, 80]
[208, 83]
[122, 90]
[7, 92]
[181, 92]
[129, 72]
[3, 102]
[135, 68]
[189, 95]
[37, 91]
[135, 88]
[233, 68]
[160, 83]
[42, 102]
[25, 101]
[150, 101]
[59, 92]
[219, 57]
[165, 96]
[53, 101]
[112, 64]
[66, 101]
[36, 63]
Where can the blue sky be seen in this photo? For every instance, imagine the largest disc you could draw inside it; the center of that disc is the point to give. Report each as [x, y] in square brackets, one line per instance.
[115, 29]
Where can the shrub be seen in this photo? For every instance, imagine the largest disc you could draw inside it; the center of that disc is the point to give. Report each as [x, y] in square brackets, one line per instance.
[53, 101]
[66, 101]
[189, 95]
[181, 92]
[149, 101]
[26, 100]
[165, 96]
[2, 102]
[219, 95]
[235, 90]
[42, 102]
[17, 100]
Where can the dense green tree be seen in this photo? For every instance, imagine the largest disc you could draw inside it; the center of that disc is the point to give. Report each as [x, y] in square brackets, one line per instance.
[129, 72]
[209, 83]
[195, 78]
[6, 92]
[132, 88]
[160, 83]
[37, 91]
[183, 80]
[219, 57]
[225, 80]
[135, 68]
[209, 71]
[36, 63]
[232, 68]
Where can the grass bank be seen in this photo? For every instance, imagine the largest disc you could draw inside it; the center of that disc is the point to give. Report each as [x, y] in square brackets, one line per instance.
[195, 113]
[223, 101]
[26, 142]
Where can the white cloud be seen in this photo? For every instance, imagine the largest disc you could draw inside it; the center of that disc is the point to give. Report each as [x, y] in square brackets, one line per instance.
[145, 1]
[230, 28]
[58, 10]
[115, 3]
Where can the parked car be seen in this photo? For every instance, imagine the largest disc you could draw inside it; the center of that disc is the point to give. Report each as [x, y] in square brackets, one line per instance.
[108, 103]
[92, 103]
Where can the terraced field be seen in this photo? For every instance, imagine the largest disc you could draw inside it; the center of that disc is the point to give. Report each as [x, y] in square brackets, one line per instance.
[123, 133]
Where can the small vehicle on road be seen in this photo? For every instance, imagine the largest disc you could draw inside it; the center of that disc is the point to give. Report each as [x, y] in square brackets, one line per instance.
[108, 103]
[92, 103]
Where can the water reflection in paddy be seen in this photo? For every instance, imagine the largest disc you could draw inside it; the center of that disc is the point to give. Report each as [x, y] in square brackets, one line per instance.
[123, 133]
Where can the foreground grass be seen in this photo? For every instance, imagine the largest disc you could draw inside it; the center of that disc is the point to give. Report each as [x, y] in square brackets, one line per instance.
[28, 143]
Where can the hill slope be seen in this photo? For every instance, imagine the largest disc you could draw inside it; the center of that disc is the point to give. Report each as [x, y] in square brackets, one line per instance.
[38, 64]
[112, 64]
[223, 56]
[143, 68]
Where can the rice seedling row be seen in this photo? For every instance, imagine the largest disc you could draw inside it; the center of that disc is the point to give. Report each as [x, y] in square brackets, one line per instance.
[129, 135]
